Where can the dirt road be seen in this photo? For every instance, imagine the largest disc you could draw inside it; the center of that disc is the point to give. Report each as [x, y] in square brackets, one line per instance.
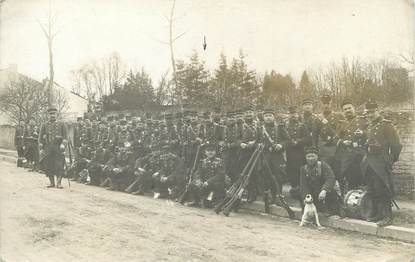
[86, 223]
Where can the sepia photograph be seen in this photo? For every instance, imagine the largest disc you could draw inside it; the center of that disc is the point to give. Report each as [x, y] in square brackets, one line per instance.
[219, 130]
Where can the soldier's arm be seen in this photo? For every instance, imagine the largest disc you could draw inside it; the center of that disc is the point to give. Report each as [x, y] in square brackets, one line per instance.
[283, 137]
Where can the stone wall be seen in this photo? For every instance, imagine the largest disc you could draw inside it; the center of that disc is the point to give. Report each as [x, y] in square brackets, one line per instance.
[404, 169]
[7, 137]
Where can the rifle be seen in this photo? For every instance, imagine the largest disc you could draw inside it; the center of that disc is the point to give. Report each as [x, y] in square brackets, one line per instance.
[241, 184]
[232, 191]
[183, 196]
[281, 198]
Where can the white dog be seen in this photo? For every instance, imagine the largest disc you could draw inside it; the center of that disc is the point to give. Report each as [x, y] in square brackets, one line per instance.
[310, 212]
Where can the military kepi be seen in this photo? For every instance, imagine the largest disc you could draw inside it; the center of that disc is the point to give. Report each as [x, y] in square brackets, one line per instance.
[371, 106]
[311, 150]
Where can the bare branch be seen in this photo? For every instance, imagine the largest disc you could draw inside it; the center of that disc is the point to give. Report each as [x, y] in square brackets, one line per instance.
[179, 36]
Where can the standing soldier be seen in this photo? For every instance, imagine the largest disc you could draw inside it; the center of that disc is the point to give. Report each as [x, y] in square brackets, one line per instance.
[247, 148]
[232, 143]
[193, 140]
[52, 139]
[383, 149]
[274, 136]
[298, 137]
[350, 148]
[31, 139]
[77, 133]
[19, 142]
[328, 135]
[311, 122]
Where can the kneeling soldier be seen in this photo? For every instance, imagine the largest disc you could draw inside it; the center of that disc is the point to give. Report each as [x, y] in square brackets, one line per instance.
[209, 178]
[171, 175]
[318, 180]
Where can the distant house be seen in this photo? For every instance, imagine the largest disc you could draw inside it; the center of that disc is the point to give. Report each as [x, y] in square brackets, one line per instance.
[76, 105]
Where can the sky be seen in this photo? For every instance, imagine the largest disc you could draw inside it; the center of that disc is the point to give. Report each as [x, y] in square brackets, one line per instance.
[285, 35]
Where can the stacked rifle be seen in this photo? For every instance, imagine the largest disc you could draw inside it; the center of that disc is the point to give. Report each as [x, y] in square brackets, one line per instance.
[234, 194]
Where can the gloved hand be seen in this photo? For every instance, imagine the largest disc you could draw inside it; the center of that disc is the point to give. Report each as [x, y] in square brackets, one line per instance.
[322, 195]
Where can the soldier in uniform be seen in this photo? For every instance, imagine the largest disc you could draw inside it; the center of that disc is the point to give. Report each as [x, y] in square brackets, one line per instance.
[274, 137]
[171, 175]
[120, 169]
[311, 122]
[232, 145]
[350, 148]
[95, 167]
[77, 133]
[82, 157]
[213, 131]
[327, 143]
[193, 139]
[247, 148]
[53, 139]
[19, 142]
[383, 149]
[298, 137]
[318, 180]
[31, 142]
[144, 168]
[208, 181]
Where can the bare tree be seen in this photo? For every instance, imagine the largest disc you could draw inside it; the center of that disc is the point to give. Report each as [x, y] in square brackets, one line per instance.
[50, 33]
[61, 101]
[163, 93]
[23, 98]
[99, 77]
[172, 38]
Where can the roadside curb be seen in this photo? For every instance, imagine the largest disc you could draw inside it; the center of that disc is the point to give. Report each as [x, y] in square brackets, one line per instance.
[395, 232]
[10, 159]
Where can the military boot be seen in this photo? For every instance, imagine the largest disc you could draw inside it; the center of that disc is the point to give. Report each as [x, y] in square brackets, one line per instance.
[52, 181]
[388, 218]
[58, 182]
[375, 213]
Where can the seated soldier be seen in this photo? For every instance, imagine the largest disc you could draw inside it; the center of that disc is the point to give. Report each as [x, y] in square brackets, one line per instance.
[318, 180]
[171, 175]
[82, 157]
[120, 169]
[144, 168]
[208, 181]
[95, 167]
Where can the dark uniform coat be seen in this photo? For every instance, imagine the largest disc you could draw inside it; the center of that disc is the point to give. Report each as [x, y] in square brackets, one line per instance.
[52, 136]
[383, 149]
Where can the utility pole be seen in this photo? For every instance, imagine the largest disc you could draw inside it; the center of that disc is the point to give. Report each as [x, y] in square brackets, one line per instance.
[1, 39]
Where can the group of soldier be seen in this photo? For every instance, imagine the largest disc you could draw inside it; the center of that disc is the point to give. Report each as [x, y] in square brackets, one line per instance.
[195, 158]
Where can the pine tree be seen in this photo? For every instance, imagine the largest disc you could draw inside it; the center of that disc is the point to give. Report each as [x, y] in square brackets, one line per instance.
[220, 82]
[192, 81]
[306, 89]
